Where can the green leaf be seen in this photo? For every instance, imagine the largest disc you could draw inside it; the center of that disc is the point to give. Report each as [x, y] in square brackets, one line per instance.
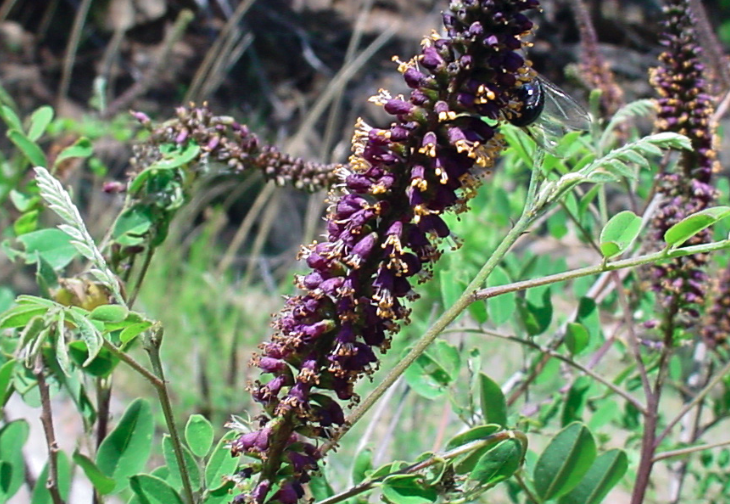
[434, 370]
[132, 225]
[110, 313]
[126, 449]
[619, 233]
[536, 319]
[500, 308]
[29, 148]
[19, 316]
[220, 462]
[451, 284]
[12, 438]
[499, 463]
[41, 495]
[478, 433]
[564, 462]
[89, 335]
[175, 478]
[81, 148]
[134, 330]
[576, 400]
[26, 223]
[6, 477]
[11, 118]
[39, 121]
[362, 464]
[493, 403]
[24, 202]
[177, 157]
[153, 490]
[603, 475]
[6, 381]
[577, 337]
[53, 245]
[465, 463]
[407, 489]
[693, 224]
[100, 365]
[320, 487]
[199, 435]
[103, 484]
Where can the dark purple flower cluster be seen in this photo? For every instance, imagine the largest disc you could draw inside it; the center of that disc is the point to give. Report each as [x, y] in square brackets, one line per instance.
[224, 141]
[384, 226]
[684, 107]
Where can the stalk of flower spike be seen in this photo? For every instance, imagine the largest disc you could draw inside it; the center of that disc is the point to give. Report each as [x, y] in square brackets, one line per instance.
[594, 68]
[684, 107]
[383, 229]
[224, 141]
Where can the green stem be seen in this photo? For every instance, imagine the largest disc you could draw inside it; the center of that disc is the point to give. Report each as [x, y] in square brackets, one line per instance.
[448, 316]
[601, 268]
[152, 345]
[425, 464]
[154, 381]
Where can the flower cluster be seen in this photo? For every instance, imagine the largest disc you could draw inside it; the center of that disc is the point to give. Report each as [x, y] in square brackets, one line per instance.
[383, 231]
[684, 107]
[224, 141]
[716, 327]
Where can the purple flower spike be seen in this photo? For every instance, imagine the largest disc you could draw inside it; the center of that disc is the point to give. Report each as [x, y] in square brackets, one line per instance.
[684, 107]
[384, 227]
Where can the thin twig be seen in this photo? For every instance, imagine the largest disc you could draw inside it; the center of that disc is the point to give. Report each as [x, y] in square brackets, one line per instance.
[689, 450]
[245, 228]
[47, 422]
[71, 48]
[151, 344]
[719, 377]
[633, 340]
[690, 425]
[215, 51]
[124, 357]
[149, 253]
[712, 49]
[552, 353]
[6, 8]
[151, 76]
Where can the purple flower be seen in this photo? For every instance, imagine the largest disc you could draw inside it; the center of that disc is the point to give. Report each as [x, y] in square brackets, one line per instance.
[383, 229]
[686, 108]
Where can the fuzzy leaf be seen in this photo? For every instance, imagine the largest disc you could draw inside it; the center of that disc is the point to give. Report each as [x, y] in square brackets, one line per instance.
[103, 484]
[39, 121]
[564, 462]
[153, 490]
[407, 489]
[606, 471]
[693, 224]
[28, 147]
[199, 435]
[493, 403]
[619, 233]
[126, 449]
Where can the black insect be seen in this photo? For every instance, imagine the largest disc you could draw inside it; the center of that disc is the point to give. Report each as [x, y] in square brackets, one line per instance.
[548, 113]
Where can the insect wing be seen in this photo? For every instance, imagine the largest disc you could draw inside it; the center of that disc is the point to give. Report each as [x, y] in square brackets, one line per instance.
[562, 109]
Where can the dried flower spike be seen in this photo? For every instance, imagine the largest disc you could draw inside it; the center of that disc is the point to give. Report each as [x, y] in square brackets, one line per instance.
[223, 140]
[383, 229]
